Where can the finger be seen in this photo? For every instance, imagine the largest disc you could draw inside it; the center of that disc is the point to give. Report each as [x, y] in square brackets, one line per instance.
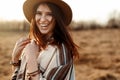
[23, 42]
[17, 52]
[22, 39]
[33, 42]
[21, 48]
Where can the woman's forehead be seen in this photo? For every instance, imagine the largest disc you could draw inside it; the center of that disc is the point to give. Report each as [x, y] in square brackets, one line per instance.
[43, 7]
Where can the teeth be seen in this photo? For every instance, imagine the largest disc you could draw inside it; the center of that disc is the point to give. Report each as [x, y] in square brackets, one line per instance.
[43, 25]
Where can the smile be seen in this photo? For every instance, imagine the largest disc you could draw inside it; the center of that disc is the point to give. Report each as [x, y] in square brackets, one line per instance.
[44, 25]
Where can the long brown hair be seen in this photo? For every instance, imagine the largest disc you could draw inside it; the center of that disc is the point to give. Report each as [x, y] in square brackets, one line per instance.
[60, 32]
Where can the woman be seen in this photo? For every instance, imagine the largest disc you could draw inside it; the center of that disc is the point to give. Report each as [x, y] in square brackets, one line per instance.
[49, 51]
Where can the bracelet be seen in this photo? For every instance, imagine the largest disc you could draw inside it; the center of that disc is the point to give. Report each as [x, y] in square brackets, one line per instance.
[15, 63]
[32, 74]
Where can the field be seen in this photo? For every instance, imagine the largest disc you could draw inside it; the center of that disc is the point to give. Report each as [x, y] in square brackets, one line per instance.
[99, 53]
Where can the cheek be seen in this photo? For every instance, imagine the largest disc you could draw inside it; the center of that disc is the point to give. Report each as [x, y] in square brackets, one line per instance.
[52, 26]
[36, 18]
[50, 19]
[37, 21]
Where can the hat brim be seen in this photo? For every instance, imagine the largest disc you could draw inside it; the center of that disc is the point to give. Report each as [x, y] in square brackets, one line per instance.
[28, 9]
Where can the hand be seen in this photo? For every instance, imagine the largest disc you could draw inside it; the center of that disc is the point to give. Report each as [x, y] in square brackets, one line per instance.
[19, 46]
[31, 50]
[31, 53]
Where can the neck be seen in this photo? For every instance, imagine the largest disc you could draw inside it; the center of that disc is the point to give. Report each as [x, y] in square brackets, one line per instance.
[48, 38]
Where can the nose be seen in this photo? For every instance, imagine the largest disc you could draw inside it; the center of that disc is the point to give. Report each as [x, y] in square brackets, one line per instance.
[42, 18]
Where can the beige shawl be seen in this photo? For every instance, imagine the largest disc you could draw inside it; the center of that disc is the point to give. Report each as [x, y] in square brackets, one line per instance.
[54, 65]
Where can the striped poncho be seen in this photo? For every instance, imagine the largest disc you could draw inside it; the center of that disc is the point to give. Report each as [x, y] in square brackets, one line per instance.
[53, 64]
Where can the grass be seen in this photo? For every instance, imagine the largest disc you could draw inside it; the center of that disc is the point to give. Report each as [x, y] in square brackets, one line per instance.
[99, 53]
[7, 42]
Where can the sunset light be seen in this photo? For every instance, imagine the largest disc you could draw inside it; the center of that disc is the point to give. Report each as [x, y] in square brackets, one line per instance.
[83, 10]
[83, 46]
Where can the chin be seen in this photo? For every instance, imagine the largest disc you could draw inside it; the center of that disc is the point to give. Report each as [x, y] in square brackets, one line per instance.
[44, 32]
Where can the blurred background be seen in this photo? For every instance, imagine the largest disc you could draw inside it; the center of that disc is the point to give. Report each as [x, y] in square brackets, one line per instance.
[95, 28]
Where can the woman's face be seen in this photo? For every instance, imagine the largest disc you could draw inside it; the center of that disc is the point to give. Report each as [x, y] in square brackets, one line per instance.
[44, 19]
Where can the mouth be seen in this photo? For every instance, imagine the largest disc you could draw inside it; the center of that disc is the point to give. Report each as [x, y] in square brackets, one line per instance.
[44, 26]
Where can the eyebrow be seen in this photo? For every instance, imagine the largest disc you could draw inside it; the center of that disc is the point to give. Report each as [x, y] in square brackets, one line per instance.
[41, 12]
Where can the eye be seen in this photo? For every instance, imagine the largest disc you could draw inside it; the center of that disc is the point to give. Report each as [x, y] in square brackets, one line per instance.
[38, 13]
[49, 14]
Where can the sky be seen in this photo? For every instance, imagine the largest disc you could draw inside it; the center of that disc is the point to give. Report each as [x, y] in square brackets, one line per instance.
[83, 10]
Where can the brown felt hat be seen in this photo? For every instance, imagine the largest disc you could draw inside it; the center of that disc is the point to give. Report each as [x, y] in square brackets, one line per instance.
[29, 6]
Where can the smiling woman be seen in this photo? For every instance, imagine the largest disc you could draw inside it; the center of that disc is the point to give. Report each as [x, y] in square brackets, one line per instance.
[49, 50]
